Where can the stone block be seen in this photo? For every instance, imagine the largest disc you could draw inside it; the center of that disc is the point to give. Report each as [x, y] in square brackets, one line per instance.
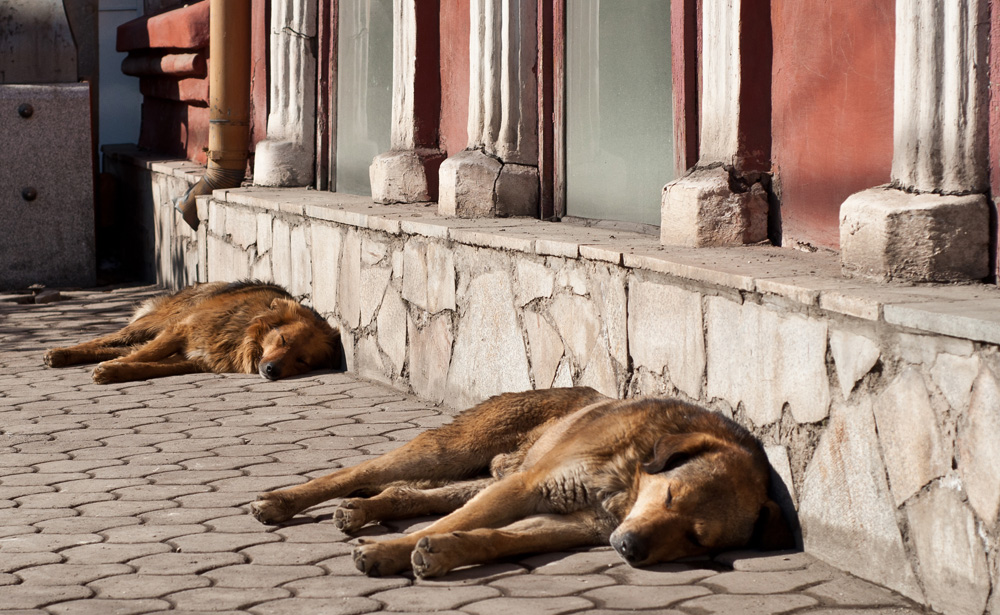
[47, 179]
[241, 226]
[954, 376]
[300, 265]
[517, 190]
[846, 511]
[405, 176]
[349, 286]
[534, 281]
[467, 184]
[429, 275]
[665, 329]
[368, 360]
[326, 242]
[890, 234]
[765, 359]
[614, 310]
[707, 208]
[573, 276]
[599, 373]
[978, 453]
[281, 252]
[283, 163]
[915, 453]
[489, 356]
[579, 324]
[264, 232]
[951, 553]
[430, 357]
[853, 357]
[546, 348]
[391, 323]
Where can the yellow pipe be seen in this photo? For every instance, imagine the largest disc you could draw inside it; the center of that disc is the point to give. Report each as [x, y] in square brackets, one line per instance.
[229, 103]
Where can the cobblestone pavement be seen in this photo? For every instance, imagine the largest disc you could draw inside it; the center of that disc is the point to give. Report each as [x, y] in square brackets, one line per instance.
[132, 498]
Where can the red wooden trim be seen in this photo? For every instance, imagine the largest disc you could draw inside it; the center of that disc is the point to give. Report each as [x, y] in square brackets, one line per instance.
[684, 43]
[546, 156]
[558, 109]
[260, 26]
[756, 47]
[427, 76]
[994, 133]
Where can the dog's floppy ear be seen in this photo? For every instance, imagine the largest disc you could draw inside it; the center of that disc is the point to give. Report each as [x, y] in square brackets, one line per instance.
[771, 531]
[672, 450]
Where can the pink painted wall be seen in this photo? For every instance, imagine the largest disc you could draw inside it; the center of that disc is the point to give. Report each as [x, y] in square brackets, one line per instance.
[454, 131]
[832, 93]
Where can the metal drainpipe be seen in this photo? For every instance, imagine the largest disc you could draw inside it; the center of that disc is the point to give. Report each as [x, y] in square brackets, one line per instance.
[229, 103]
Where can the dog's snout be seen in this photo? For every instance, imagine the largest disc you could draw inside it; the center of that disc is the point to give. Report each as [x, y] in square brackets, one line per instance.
[631, 547]
[270, 370]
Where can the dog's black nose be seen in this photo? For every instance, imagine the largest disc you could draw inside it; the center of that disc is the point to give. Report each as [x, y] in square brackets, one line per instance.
[630, 546]
[270, 371]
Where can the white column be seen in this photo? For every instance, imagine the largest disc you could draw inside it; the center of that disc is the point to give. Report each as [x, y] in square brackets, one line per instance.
[714, 205]
[287, 157]
[408, 172]
[932, 222]
[498, 174]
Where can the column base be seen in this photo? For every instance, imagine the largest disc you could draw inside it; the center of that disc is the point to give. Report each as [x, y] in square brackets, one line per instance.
[406, 176]
[283, 164]
[889, 234]
[477, 185]
[704, 208]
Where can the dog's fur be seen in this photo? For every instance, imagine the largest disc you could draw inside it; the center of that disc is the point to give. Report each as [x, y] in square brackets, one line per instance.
[241, 327]
[554, 469]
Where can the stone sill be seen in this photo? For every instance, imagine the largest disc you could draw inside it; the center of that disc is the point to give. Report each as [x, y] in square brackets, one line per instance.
[811, 280]
[187, 170]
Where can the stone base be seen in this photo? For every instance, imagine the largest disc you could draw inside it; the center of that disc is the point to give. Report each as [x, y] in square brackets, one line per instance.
[703, 209]
[283, 164]
[406, 176]
[477, 185]
[886, 234]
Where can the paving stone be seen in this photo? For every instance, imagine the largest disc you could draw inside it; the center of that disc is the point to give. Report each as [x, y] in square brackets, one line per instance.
[757, 561]
[63, 574]
[35, 596]
[294, 554]
[778, 581]
[584, 562]
[184, 563]
[851, 591]
[138, 586]
[250, 576]
[428, 598]
[528, 606]
[310, 606]
[659, 574]
[344, 586]
[645, 597]
[315, 533]
[225, 598]
[84, 525]
[150, 533]
[103, 553]
[774, 604]
[546, 586]
[40, 543]
[16, 561]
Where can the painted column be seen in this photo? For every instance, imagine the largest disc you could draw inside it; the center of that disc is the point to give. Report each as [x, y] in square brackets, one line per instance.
[288, 156]
[932, 222]
[497, 175]
[408, 172]
[721, 200]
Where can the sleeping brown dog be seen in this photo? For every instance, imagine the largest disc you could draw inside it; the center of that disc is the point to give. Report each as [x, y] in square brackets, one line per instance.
[550, 470]
[239, 327]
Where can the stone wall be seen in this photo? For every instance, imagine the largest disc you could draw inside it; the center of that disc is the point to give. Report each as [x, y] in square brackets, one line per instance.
[879, 405]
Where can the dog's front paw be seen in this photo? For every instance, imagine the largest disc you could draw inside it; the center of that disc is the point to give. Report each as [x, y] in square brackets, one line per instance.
[57, 357]
[378, 559]
[272, 508]
[350, 516]
[429, 558]
[107, 372]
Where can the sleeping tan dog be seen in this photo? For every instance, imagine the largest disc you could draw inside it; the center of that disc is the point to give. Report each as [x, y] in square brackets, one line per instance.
[550, 470]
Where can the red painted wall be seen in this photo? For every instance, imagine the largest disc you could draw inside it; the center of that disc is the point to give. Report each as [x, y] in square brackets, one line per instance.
[832, 95]
[454, 130]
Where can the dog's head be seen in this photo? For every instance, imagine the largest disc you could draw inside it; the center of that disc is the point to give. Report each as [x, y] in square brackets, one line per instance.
[699, 494]
[293, 340]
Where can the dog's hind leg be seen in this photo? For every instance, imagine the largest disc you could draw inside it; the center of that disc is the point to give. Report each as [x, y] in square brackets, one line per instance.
[404, 502]
[106, 347]
[436, 554]
[457, 451]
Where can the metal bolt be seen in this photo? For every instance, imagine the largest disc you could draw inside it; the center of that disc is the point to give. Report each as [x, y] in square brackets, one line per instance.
[25, 110]
[29, 194]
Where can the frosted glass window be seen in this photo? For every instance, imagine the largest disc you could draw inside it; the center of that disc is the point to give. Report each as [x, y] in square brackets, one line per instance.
[619, 108]
[364, 90]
